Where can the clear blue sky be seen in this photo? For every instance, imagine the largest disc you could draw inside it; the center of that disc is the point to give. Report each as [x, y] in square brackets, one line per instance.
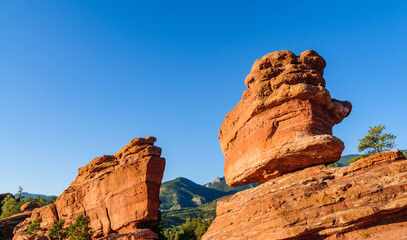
[79, 79]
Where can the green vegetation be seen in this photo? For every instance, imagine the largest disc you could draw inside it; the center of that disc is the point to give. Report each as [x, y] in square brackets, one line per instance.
[57, 232]
[174, 218]
[78, 230]
[191, 230]
[11, 205]
[364, 235]
[34, 228]
[357, 158]
[344, 160]
[182, 193]
[183, 200]
[376, 141]
[335, 164]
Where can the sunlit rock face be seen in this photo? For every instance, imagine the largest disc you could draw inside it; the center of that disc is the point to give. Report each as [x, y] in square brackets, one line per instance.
[368, 198]
[283, 121]
[119, 193]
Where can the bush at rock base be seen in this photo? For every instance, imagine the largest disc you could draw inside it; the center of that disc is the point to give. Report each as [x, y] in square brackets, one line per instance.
[191, 230]
[34, 229]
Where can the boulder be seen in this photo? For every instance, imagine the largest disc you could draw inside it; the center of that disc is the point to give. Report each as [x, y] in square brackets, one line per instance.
[28, 206]
[284, 120]
[7, 225]
[119, 193]
[366, 199]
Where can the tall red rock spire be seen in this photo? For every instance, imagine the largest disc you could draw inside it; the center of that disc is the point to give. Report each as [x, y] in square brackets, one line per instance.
[283, 121]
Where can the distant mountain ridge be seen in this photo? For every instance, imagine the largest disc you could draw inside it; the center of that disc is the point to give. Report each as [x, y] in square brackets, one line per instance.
[220, 184]
[33, 195]
[183, 193]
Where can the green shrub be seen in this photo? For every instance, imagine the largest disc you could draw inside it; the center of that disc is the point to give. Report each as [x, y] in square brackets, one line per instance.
[34, 228]
[333, 165]
[191, 230]
[58, 232]
[10, 206]
[358, 158]
[80, 230]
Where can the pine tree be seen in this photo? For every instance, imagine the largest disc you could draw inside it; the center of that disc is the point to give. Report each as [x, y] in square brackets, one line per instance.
[80, 230]
[10, 207]
[376, 141]
[57, 232]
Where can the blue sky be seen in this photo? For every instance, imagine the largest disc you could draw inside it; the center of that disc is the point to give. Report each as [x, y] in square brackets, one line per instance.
[79, 79]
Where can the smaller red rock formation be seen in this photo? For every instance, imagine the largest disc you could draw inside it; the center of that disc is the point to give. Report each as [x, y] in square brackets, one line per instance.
[7, 225]
[385, 157]
[119, 193]
[29, 206]
[368, 197]
[283, 122]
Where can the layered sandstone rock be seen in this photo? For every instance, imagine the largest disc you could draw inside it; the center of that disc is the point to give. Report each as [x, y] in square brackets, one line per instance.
[284, 120]
[7, 225]
[119, 193]
[368, 198]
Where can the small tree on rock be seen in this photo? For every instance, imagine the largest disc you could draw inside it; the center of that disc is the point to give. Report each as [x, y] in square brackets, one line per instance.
[20, 193]
[80, 230]
[34, 228]
[376, 141]
[58, 232]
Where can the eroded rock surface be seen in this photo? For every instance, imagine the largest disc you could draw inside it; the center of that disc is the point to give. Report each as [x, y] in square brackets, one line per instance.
[120, 193]
[283, 121]
[7, 225]
[368, 198]
[29, 206]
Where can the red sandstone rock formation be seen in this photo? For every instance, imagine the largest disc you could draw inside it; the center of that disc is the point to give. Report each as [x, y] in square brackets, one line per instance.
[368, 198]
[7, 225]
[29, 206]
[120, 194]
[284, 120]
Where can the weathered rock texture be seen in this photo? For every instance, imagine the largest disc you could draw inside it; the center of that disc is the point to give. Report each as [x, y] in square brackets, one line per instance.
[29, 206]
[120, 194]
[368, 198]
[284, 120]
[7, 225]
